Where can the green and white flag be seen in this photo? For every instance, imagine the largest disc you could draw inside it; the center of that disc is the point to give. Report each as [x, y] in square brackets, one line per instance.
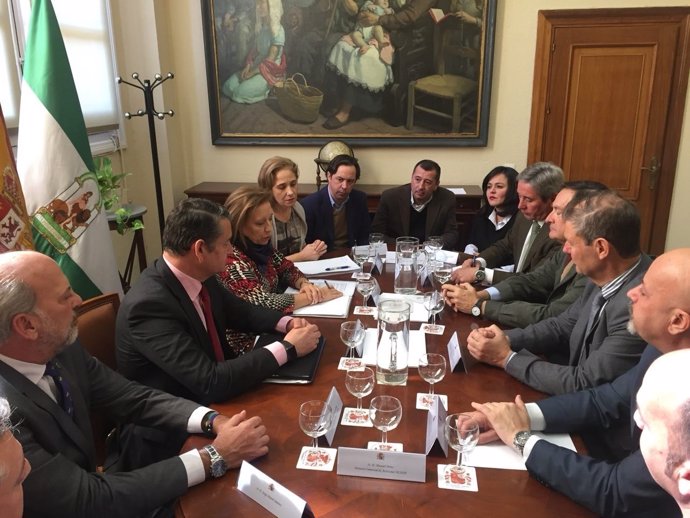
[55, 165]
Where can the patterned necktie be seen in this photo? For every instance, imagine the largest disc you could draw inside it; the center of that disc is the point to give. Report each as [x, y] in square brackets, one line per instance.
[205, 301]
[64, 395]
[531, 236]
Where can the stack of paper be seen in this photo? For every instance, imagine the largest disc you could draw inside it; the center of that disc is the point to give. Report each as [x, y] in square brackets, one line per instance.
[339, 307]
[498, 455]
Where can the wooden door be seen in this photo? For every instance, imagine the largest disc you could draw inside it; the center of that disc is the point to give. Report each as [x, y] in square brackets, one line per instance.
[609, 92]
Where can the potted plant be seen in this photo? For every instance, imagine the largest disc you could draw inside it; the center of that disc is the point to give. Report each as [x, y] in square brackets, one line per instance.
[110, 185]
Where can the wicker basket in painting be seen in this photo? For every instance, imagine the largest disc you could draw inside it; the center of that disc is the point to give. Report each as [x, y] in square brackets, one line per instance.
[298, 102]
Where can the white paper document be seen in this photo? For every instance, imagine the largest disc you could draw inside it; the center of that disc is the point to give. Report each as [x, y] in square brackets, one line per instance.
[417, 347]
[447, 256]
[341, 264]
[498, 455]
[457, 190]
[339, 307]
[268, 493]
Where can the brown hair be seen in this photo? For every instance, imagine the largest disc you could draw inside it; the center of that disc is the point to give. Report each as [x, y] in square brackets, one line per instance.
[269, 170]
[240, 205]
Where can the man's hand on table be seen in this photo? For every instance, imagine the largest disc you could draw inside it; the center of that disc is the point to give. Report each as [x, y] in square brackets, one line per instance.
[504, 419]
[303, 335]
[239, 438]
[489, 345]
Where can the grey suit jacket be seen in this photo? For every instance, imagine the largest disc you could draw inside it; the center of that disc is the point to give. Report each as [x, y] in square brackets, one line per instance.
[534, 296]
[507, 250]
[393, 216]
[610, 349]
[63, 481]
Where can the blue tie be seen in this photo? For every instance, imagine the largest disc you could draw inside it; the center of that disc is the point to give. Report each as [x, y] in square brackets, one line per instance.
[64, 392]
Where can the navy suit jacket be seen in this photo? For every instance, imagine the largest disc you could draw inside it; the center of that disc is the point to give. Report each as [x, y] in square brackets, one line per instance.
[63, 479]
[319, 212]
[623, 488]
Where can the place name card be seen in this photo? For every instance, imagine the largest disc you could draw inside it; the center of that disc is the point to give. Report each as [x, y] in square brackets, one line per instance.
[391, 465]
[268, 493]
[336, 403]
[435, 424]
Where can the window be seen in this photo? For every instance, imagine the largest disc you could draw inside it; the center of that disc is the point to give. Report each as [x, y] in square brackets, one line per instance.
[85, 26]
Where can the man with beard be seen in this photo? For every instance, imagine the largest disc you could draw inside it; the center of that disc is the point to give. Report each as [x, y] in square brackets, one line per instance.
[51, 384]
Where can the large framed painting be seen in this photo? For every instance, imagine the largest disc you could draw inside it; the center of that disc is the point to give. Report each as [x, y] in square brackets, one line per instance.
[372, 72]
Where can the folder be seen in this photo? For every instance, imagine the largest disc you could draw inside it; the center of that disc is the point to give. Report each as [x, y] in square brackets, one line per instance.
[296, 372]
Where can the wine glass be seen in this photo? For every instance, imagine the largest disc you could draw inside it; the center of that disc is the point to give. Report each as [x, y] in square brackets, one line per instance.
[385, 413]
[442, 274]
[366, 288]
[462, 432]
[432, 245]
[433, 303]
[360, 383]
[315, 419]
[360, 254]
[432, 369]
[352, 333]
[376, 239]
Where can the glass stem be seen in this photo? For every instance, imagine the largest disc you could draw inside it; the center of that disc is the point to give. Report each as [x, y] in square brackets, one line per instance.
[315, 443]
[459, 461]
[433, 320]
[364, 301]
[431, 389]
[359, 403]
[384, 436]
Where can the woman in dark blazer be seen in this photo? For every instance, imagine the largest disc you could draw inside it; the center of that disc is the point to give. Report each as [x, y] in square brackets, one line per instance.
[499, 205]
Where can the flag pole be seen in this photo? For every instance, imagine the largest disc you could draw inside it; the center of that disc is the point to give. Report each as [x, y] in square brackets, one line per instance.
[148, 87]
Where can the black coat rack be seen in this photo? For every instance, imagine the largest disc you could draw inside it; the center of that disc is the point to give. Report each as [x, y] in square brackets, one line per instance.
[148, 87]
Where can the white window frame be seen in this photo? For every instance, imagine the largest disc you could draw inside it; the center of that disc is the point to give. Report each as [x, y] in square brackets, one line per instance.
[102, 140]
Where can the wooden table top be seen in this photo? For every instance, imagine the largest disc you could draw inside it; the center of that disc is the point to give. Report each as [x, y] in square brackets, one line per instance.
[502, 493]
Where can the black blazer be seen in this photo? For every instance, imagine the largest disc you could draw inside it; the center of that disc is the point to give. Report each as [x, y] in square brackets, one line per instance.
[162, 342]
[63, 481]
[319, 214]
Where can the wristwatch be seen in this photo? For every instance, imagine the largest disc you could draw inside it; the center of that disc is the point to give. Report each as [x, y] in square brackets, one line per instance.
[479, 275]
[207, 423]
[477, 308]
[520, 440]
[290, 350]
[218, 465]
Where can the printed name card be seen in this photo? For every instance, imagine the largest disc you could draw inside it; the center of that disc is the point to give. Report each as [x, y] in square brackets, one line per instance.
[268, 493]
[336, 404]
[391, 465]
[454, 353]
[435, 424]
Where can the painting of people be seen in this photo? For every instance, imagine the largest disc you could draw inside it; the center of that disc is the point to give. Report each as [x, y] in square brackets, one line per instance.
[371, 71]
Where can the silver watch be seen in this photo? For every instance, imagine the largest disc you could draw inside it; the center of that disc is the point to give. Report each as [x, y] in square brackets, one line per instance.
[520, 440]
[477, 308]
[218, 466]
[479, 275]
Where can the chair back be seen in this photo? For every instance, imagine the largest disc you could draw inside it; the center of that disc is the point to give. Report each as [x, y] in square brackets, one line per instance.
[96, 324]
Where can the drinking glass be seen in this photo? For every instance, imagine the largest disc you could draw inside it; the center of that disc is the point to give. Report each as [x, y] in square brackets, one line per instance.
[360, 383]
[442, 274]
[360, 254]
[432, 245]
[462, 432]
[315, 419]
[432, 369]
[366, 288]
[385, 413]
[376, 239]
[433, 303]
[352, 333]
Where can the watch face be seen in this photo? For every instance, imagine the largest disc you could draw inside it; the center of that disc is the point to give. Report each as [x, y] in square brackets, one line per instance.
[480, 275]
[218, 469]
[476, 311]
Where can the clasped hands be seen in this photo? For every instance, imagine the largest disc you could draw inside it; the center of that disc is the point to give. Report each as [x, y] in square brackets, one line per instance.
[501, 420]
[489, 345]
[317, 294]
[466, 272]
[462, 297]
[314, 250]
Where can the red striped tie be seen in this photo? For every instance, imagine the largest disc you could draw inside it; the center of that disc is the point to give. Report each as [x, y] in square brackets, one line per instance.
[205, 301]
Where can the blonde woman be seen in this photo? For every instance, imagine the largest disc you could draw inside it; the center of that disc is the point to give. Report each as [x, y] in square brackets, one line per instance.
[279, 175]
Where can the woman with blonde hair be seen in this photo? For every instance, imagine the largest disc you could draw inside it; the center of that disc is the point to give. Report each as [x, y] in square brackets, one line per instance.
[279, 175]
[254, 270]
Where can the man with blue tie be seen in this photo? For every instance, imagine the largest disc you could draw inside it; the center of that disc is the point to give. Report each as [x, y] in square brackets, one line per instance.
[588, 344]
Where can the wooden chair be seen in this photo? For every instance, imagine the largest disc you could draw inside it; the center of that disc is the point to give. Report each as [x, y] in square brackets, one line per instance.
[96, 324]
[443, 87]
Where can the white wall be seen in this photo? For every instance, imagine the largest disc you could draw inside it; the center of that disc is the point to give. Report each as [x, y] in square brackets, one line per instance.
[166, 35]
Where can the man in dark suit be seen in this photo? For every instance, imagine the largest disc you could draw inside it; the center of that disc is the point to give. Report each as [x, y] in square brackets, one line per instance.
[164, 338]
[588, 344]
[527, 243]
[338, 213]
[420, 208]
[660, 314]
[544, 292]
[51, 384]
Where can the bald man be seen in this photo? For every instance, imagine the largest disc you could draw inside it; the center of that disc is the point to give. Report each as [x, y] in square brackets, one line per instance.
[663, 415]
[660, 314]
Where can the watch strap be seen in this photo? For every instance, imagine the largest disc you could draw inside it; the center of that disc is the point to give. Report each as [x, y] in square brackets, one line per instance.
[218, 467]
[290, 350]
[207, 423]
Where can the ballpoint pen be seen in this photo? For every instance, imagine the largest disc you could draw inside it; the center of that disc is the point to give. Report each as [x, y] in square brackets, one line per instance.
[474, 260]
[328, 285]
[333, 268]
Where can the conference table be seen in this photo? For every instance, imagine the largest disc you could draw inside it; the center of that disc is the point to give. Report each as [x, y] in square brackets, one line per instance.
[502, 493]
